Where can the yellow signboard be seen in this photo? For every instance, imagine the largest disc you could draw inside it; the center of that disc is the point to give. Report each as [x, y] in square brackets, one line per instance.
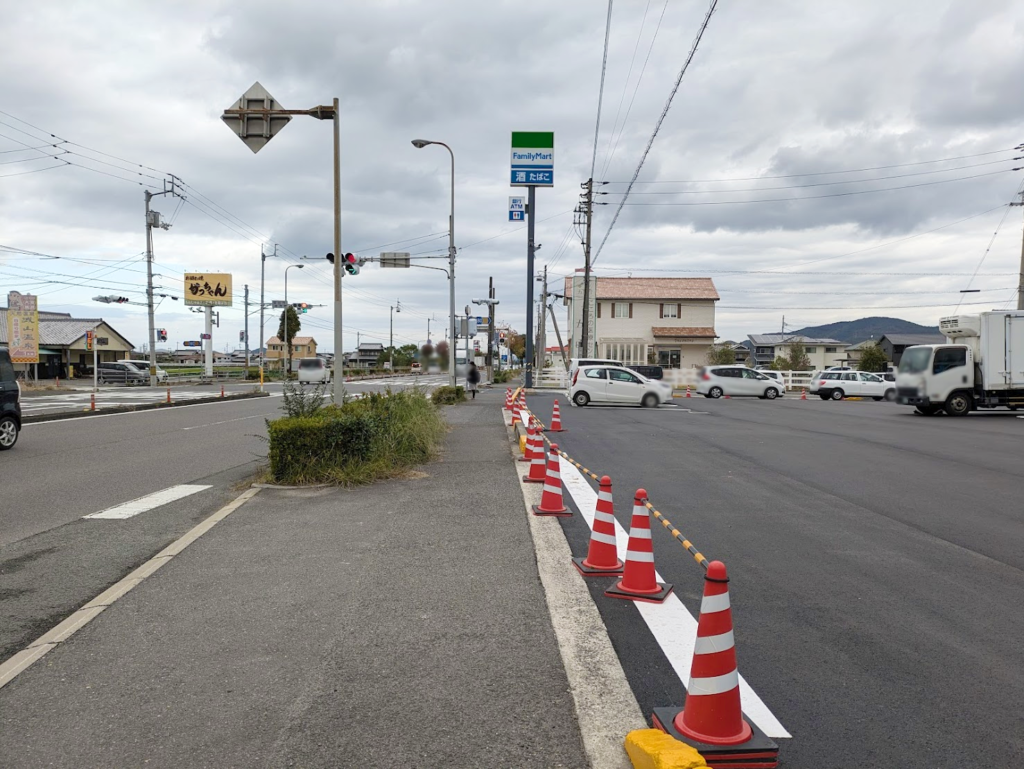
[22, 328]
[208, 289]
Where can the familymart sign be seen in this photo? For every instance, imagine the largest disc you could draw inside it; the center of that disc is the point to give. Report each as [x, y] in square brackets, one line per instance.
[533, 159]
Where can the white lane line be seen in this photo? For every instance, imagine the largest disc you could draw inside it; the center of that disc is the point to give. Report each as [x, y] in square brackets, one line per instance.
[145, 411]
[227, 421]
[148, 502]
[671, 623]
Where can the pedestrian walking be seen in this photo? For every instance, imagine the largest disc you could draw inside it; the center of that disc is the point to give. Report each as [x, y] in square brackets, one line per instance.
[472, 378]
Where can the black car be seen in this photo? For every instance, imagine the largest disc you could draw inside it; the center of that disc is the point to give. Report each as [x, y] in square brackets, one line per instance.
[651, 372]
[121, 372]
[10, 403]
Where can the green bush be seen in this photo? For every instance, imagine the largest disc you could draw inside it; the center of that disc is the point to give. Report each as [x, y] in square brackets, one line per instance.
[447, 395]
[501, 377]
[362, 441]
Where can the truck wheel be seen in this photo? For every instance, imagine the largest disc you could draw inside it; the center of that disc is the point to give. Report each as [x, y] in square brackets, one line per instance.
[926, 411]
[958, 404]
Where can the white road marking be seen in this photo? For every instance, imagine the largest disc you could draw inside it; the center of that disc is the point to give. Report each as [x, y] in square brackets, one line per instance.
[227, 421]
[148, 502]
[672, 625]
[137, 413]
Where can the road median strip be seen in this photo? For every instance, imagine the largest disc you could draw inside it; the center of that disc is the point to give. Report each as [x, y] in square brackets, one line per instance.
[129, 408]
[61, 632]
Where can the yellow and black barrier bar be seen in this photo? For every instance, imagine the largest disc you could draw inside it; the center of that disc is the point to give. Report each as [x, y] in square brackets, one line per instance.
[697, 555]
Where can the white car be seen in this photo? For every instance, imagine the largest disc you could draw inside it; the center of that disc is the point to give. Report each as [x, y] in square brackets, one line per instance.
[737, 380]
[615, 384]
[314, 370]
[143, 366]
[415, 368]
[433, 368]
[836, 385]
[777, 376]
[575, 363]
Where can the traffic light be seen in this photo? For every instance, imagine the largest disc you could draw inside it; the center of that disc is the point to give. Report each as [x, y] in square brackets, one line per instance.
[161, 335]
[303, 307]
[351, 264]
[89, 337]
[121, 299]
[330, 258]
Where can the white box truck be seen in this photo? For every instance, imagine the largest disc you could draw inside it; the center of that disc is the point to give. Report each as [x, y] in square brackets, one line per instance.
[981, 366]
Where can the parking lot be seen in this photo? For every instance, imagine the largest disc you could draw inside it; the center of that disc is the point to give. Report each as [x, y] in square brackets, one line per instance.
[872, 553]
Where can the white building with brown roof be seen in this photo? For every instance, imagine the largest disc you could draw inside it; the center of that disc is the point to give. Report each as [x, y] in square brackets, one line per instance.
[665, 321]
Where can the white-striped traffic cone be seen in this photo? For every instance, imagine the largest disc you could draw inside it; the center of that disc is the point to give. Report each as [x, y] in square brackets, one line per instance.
[556, 420]
[712, 721]
[532, 440]
[602, 557]
[551, 500]
[508, 399]
[539, 463]
[639, 579]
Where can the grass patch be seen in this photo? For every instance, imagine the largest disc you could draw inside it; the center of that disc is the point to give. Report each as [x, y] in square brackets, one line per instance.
[359, 442]
[503, 377]
[448, 395]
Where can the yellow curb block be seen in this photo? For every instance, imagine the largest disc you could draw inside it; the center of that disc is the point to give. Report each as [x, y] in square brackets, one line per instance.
[653, 749]
[522, 444]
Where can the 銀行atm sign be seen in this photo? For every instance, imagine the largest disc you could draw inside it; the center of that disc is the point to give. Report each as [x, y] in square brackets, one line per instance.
[533, 159]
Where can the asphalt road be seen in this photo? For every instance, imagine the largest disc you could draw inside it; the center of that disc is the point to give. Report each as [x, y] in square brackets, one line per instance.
[876, 562]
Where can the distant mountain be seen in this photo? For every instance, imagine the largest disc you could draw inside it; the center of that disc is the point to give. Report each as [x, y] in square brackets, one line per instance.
[853, 331]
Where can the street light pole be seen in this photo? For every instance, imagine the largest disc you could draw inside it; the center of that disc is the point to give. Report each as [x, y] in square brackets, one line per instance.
[420, 144]
[391, 339]
[263, 282]
[287, 345]
[339, 343]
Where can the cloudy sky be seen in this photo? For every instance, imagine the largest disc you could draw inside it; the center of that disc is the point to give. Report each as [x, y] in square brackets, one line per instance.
[756, 179]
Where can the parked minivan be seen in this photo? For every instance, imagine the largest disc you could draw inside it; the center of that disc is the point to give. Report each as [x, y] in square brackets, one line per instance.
[10, 403]
[314, 370]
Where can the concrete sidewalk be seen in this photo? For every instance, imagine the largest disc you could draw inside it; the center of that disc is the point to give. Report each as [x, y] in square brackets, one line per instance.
[399, 625]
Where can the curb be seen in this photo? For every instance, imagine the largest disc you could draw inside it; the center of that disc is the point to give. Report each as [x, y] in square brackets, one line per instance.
[30, 418]
[606, 707]
[62, 631]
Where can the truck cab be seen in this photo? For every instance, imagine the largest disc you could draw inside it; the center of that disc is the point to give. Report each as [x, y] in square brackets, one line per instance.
[982, 366]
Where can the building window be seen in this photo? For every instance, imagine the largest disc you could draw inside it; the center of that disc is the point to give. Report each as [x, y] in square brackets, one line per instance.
[831, 349]
[670, 311]
[811, 350]
[621, 310]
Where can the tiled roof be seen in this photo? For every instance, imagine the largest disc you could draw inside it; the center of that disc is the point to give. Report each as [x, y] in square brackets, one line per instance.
[652, 289]
[295, 341]
[58, 329]
[774, 339]
[915, 338]
[701, 331]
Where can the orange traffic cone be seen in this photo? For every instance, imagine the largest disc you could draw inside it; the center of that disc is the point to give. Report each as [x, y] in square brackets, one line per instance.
[508, 399]
[726, 396]
[639, 581]
[602, 558]
[556, 420]
[222, 391]
[803, 394]
[538, 463]
[92, 401]
[688, 391]
[168, 394]
[532, 434]
[712, 721]
[551, 499]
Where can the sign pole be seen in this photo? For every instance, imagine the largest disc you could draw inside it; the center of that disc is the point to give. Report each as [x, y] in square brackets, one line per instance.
[339, 348]
[208, 342]
[95, 363]
[531, 218]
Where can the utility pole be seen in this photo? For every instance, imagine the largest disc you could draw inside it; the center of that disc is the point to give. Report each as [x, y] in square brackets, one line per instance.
[490, 331]
[588, 213]
[246, 332]
[558, 335]
[531, 213]
[263, 281]
[543, 327]
[1020, 279]
[153, 220]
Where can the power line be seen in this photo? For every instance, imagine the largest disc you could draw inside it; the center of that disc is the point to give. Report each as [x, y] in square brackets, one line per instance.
[636, 87]
[805, 272]
[814, 197]
[820, 184]
[864, 307]
[990, 242]
[600, 90]
[827, 173]
[657, 127]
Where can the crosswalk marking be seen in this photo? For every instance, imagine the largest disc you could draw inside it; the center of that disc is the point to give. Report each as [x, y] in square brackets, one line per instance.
[148, 502]
[671, 623]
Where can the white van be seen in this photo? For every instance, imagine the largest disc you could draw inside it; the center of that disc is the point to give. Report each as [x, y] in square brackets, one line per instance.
[314, 370]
